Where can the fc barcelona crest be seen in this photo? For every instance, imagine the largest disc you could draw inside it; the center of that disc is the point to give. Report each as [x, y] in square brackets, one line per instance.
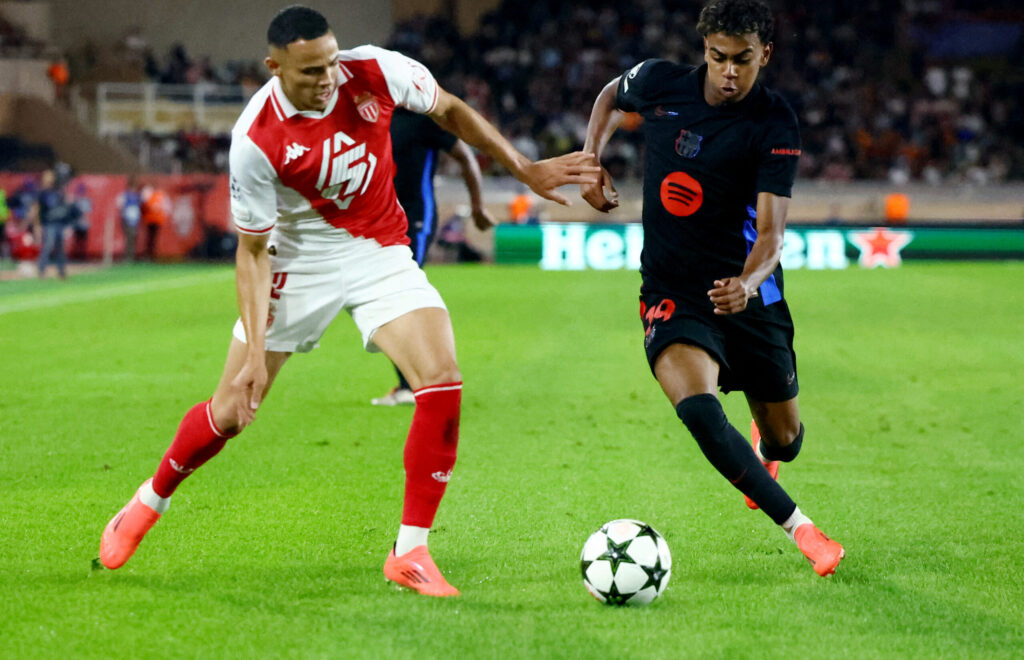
[367, 106]
[688, 143]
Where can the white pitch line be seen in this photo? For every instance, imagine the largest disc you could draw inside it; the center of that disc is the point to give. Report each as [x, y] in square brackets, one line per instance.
[113, 291]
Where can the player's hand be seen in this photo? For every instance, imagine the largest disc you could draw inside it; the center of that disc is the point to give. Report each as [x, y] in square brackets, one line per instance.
[601, 195]
[730, 296]
[544, 176]
[248, 387]
[483, 219]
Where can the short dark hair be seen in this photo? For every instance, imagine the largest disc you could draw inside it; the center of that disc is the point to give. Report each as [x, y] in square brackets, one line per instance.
[736, 18]
[294, 23]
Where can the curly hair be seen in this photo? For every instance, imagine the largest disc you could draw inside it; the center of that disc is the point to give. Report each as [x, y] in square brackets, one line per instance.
[736, 18]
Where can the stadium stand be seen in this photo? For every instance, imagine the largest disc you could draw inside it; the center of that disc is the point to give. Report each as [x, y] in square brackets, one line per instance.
[916, 91]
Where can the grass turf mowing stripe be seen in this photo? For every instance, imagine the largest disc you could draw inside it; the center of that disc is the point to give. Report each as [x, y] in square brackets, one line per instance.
[59, 298]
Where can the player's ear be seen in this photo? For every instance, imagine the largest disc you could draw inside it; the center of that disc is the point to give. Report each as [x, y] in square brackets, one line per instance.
[273, 65]
[766, 54]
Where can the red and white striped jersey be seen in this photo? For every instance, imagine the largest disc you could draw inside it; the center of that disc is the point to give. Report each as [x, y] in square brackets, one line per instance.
[324, 176]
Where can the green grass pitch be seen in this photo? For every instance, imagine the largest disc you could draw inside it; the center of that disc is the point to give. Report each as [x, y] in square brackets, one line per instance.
[912, 397]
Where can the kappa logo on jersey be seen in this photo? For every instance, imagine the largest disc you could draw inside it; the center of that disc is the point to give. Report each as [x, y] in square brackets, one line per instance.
[294, 151]
[236, 190]
[681, 194]
[347, 164]
[688, 144]
[368, 107]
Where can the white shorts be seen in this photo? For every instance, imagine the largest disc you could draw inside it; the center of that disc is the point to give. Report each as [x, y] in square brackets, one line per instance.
[374, 284]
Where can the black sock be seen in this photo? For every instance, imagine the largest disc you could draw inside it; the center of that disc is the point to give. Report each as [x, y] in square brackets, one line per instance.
[732, 455]
[784, 454]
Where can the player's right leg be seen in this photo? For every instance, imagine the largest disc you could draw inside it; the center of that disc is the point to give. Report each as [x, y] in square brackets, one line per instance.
[689, 377]
[203, 432]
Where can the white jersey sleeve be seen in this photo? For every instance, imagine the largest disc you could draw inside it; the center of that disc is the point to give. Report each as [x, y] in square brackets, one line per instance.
[253, 190]
[410, 83]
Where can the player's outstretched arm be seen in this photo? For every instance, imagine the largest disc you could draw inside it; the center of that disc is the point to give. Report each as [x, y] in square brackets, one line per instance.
[731, 294]
[252, 281]
[604, 119]
[543, 176]
[464, 156]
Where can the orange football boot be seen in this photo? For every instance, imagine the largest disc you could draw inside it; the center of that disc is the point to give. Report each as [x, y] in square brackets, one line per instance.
[124, 532]
[823, 553]
[417, 571]
[771, 466]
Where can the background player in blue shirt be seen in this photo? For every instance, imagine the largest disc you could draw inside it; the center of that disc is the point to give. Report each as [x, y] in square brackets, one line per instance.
[720, 160]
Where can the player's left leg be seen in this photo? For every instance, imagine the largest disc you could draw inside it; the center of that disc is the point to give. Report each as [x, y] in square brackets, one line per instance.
[422, 346]
[780, 438]
[779, 426]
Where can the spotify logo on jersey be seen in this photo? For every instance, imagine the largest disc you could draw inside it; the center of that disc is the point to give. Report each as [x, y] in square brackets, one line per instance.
[681, 194]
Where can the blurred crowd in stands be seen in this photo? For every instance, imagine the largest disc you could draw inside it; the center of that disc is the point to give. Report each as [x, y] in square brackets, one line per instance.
[917, 90]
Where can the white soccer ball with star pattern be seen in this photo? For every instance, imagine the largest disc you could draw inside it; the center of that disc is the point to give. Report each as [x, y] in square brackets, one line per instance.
[626, 562]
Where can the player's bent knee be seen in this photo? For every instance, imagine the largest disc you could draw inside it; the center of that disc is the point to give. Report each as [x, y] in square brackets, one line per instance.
[224, 418]
[703, 416]
[441, 374]
[784, 453]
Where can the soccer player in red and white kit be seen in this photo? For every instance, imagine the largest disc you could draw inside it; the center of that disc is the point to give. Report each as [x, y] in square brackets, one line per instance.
[320, 230]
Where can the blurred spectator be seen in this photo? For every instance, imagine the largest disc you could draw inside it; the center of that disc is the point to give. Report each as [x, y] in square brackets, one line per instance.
[79, 210]
[897, 208]
[156, 208]
[521, 209]
[60, 76]
[452, 238]
[50, 215]
[129, 205]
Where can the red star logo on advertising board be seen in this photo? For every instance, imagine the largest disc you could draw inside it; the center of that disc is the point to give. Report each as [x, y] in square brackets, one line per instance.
[880, 246]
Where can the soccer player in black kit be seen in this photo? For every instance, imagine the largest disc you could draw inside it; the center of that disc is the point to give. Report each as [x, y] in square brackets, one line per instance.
[721, 154]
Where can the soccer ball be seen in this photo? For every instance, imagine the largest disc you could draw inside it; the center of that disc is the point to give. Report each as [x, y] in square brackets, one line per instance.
[626, 562]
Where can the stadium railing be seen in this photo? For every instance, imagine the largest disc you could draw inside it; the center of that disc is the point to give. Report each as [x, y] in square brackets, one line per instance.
[123, 108]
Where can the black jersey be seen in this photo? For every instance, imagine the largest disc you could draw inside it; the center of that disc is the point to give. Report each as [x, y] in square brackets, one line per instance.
[703, 169]
[415, 142]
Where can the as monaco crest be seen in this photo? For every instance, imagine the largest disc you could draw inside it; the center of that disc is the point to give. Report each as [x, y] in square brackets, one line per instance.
[367, 106]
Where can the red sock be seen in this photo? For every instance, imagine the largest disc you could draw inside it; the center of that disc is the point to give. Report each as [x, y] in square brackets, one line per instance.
[430, 451]
[197, 441]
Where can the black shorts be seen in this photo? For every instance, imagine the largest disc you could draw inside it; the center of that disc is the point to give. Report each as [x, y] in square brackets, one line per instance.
[754, 349]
